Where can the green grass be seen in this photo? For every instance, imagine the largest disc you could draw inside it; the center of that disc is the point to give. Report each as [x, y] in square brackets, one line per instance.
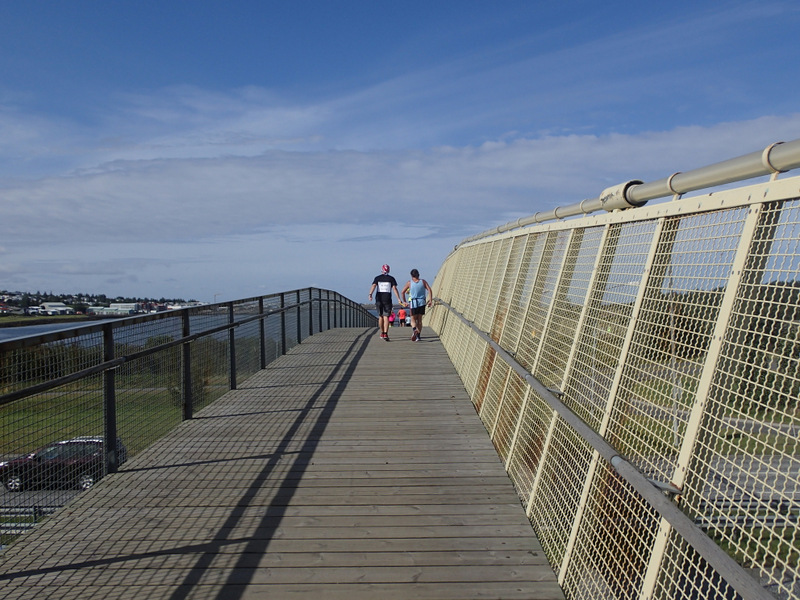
[143, 416]
[763, 547]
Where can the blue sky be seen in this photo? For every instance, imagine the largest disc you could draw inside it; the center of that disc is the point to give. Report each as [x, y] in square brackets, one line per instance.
[221, 150]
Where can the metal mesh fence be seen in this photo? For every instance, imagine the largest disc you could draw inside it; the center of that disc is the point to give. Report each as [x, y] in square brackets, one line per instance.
[28, 365]
[673, 333]
[63, 394]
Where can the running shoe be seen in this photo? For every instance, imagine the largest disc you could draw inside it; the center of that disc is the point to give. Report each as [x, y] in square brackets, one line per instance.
[414, 336]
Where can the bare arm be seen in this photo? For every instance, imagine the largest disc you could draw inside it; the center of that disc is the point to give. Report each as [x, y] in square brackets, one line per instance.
[430, 291]
[403, 293]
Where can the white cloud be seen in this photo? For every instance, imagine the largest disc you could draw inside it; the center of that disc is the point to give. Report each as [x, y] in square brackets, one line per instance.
[189, 200]
[340, 256]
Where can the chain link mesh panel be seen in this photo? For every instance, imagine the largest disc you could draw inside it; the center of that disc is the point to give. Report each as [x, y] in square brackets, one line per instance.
[26, 366]
[744, 479]
[538, 307]
[531, 432]
[672, 336]
[557, 488]
[522, 285]
[612, 548]
[567, 306]
[608, 316]
[505, 425]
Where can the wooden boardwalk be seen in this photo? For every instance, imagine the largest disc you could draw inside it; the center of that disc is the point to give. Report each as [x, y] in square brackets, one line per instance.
[351, 468]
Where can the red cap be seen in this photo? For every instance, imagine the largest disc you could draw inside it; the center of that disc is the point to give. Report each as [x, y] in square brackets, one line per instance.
[385, 268]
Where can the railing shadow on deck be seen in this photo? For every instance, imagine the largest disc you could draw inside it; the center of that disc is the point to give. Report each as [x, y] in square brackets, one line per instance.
[264, 531]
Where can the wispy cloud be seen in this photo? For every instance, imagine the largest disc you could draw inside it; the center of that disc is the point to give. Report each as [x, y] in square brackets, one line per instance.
[196, 198]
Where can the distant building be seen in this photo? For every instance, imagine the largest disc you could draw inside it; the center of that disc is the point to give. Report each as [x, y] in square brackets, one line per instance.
[125, 308]
[55, 308]
[118, 309]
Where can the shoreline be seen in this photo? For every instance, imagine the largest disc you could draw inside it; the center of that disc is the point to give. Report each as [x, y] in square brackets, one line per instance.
[13, 321]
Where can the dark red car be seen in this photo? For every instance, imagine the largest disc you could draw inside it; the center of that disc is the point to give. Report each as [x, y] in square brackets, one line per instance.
[77, 463]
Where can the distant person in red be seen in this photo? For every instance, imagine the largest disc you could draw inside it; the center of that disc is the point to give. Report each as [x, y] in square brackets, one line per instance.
[386, 284]
[401, 315]
[420, 295]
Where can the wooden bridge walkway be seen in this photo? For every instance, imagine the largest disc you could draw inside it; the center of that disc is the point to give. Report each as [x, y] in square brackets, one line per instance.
[350, 468]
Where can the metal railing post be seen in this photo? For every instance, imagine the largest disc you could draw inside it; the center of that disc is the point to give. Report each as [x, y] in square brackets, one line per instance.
[299, 320]
[283, 324]
[310, 312]
[187, 401]
[109, 404]
[232, 345]
[328, 307]
[319, 309]
[262, 333]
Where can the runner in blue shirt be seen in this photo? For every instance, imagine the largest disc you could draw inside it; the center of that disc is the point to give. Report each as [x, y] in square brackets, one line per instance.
[420, 295]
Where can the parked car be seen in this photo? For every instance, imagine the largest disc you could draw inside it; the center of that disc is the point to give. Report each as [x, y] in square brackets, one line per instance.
[76, 463]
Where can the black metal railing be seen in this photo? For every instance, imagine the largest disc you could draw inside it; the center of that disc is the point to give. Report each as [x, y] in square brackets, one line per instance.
[62, 394]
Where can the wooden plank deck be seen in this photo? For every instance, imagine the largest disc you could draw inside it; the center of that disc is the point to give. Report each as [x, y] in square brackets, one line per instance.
[351, 468]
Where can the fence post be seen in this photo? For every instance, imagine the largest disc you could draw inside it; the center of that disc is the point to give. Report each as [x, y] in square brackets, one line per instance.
[262, 333]
[283, 324]
[310, 312]
[328, 307]
[319, 310]
[232, 345]
[299, 319]
[109, 404]
[188, 400]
